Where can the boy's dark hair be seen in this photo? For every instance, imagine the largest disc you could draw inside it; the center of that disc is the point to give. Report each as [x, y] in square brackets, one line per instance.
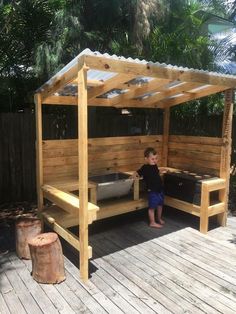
[148, 151]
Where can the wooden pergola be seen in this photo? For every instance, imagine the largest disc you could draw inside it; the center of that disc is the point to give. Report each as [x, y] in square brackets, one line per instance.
[93, 79]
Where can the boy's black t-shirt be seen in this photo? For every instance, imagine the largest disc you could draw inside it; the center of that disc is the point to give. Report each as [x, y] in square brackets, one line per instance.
[151, 176]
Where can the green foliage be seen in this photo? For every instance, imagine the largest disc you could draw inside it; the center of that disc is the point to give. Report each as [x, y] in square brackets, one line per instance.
[179, 40]
[24, 25]
[38, 37]
[62, 42]
[210, 105]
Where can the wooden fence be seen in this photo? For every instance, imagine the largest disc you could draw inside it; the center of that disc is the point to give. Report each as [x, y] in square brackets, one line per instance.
[17, 140]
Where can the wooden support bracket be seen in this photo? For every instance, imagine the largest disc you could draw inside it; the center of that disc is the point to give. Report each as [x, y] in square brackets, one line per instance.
[68, 236]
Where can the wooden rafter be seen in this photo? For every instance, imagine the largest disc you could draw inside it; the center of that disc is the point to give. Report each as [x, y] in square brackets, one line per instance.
[136, 91]
[94, 83]
[153, 70]
[90, 82]
[61, 80]
[115, 82]
[191, 96]
[162, 93]
[61, 100]
[155, 101]
[127, 71]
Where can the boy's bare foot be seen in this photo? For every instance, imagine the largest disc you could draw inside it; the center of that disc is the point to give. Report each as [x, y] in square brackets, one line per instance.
[162, 222]
[155, 225]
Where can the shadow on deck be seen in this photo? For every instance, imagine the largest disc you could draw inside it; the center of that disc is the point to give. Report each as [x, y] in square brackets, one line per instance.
[135, 269]
[123, 229]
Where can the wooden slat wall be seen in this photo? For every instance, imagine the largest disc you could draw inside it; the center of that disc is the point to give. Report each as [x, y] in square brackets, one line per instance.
[17, 147]
[106, 155]
[195, 153]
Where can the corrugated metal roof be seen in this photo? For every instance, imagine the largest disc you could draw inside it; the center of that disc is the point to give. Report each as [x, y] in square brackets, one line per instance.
[162, 85]
[103, 75]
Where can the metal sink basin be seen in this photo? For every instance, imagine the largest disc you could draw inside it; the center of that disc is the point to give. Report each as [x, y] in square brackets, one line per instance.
[112, 185]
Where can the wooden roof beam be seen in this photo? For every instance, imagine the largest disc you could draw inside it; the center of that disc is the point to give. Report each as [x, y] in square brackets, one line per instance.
[170, 92]
[153, 70]
[61, 100]
[152, 86]
[61, 80]
[138, 104]
[114, 82]
[132, 103]
[73, 101]
[163, 92]
[91, 82]
[192, 96]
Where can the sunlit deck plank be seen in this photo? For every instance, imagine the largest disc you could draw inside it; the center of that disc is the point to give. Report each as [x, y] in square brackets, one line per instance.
[136, 269]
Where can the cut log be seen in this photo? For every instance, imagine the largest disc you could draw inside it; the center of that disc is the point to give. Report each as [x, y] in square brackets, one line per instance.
[26, 228]
[47, 258]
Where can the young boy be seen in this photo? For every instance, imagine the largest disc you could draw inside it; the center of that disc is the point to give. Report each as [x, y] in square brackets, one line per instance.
[151, 176]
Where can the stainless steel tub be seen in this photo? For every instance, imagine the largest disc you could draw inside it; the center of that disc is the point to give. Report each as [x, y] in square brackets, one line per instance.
[112, 185]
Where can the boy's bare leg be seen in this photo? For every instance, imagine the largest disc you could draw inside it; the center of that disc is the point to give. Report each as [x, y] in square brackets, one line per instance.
[159, 214]
[152, 222]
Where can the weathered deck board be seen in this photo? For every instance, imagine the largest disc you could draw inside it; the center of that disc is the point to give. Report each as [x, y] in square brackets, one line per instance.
[226, 236]
[17, 284]
[145, 278]
[135, 269]
[32, 286]
[3, 306]
[10, 296]
[57, 297]
[139, 257]
[218, 280]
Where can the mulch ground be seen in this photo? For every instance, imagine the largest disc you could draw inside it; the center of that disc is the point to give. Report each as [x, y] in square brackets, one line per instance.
[9, 213]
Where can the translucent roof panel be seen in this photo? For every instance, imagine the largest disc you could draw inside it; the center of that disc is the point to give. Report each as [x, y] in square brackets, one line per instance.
[140, 80]
[100, 75]
[113, 93]
[129, 72]
[147, 95]
[197, 89]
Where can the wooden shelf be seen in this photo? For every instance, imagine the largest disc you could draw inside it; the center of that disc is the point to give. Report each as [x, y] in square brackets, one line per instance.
[68, 202]
[59, 220]
[120, 206]
[184, 206]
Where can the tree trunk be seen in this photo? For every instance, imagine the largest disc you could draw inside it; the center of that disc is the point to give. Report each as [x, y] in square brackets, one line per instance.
[26, 228]
[47, 258]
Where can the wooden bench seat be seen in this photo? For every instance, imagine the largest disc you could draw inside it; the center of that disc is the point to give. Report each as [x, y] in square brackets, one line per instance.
[68, 184]
[205, 209]
[70, 203]
[65, 214]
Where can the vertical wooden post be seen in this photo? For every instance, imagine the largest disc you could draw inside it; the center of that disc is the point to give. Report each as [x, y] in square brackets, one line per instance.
[83, 171]
[226, 152]
[39, 149]
[165, 138]
[93, 195]
[204, 209]
[136, 189]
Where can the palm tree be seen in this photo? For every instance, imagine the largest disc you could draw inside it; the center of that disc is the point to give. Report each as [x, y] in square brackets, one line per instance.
[179, 39]
[223, 33]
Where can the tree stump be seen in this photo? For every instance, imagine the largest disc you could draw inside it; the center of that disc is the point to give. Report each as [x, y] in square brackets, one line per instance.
[47, 258]
[26, 228]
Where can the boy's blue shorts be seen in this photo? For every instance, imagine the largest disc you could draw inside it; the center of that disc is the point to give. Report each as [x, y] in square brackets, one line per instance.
[155, 199]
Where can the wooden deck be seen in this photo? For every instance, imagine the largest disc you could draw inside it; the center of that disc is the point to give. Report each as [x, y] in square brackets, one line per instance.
[135, 269]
